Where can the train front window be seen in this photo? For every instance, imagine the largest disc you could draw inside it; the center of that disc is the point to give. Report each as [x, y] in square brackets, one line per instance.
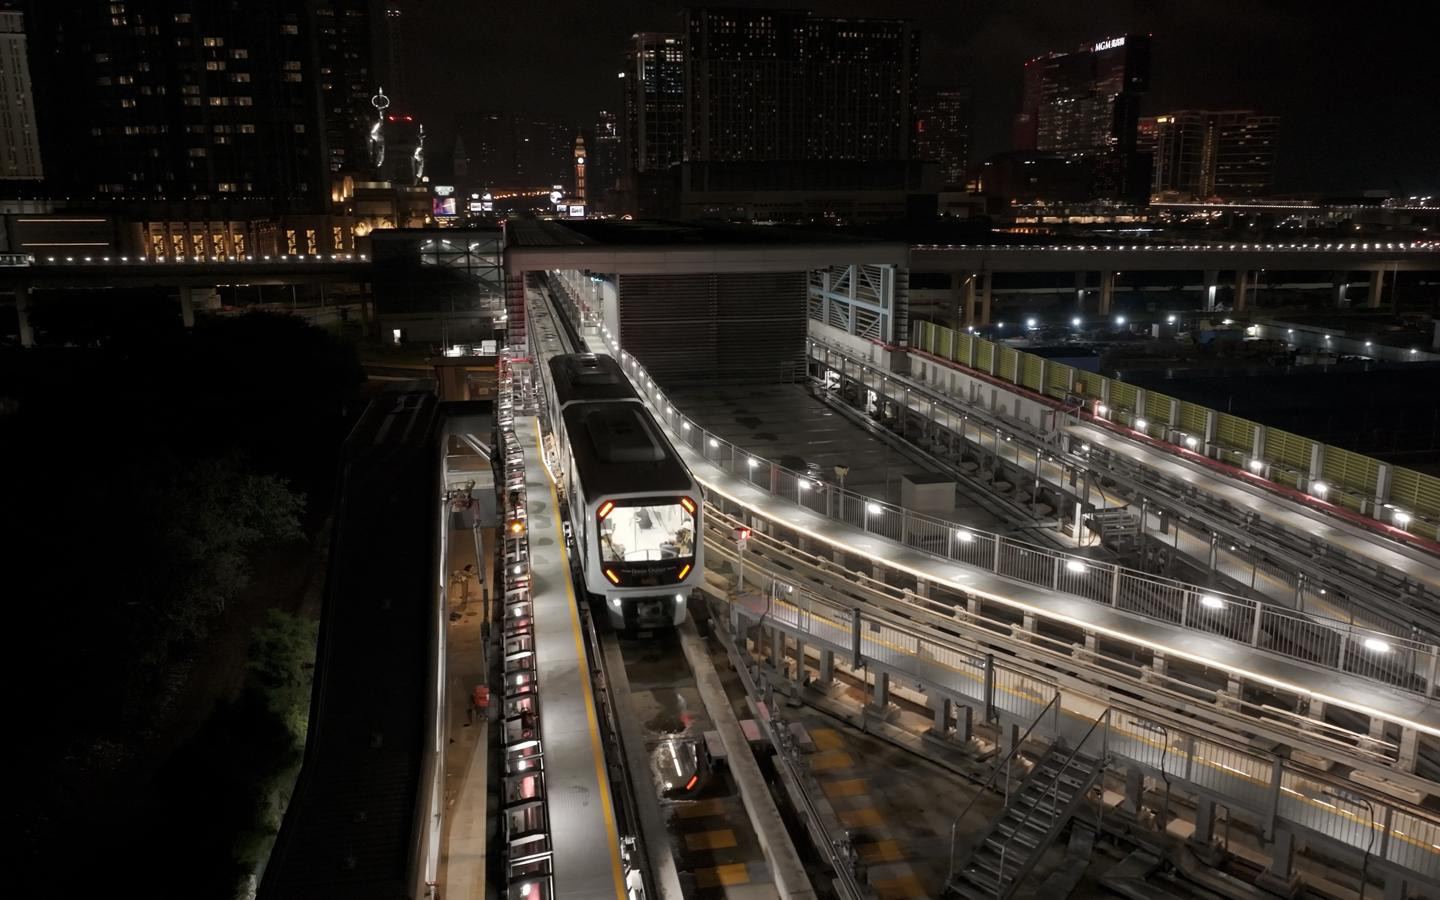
[649, 533]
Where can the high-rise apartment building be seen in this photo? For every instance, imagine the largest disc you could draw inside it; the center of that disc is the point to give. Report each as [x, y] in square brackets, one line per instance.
[1215, 153]
[942, 130]
[654, 89]
[19, 138]
[786, 85]
[145, 100]
[346, 39]
[1086, 104]
[605, 152]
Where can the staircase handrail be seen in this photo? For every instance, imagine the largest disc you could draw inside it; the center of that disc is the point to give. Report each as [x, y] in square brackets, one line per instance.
[1054, 790]
[1002, 764]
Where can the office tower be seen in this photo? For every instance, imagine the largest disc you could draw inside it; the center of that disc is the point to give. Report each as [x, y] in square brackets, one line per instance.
[580, 168]
[392, 42]
[173, 100]
[785, 85]
[605, 152]
[942, 131]
[1086, 104]
[19, 138]
[1215, 153]
[345, 38]
[654, 89]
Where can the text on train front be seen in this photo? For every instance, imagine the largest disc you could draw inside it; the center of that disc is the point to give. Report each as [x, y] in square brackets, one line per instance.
[647, 542]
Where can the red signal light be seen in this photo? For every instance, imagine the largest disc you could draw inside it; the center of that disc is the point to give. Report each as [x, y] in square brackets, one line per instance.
[691, 783]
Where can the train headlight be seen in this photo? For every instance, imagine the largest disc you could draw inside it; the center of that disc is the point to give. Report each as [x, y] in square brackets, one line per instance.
[614, 602]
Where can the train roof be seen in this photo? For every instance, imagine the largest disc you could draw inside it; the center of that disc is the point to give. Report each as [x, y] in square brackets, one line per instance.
[589, 376]
[619, 449]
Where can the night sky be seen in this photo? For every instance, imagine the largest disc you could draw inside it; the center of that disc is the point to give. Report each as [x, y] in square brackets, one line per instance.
[1355, 83]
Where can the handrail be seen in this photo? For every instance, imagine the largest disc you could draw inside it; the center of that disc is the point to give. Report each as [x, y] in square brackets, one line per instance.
[1054, 790]
[1376, 643]
[991, 782]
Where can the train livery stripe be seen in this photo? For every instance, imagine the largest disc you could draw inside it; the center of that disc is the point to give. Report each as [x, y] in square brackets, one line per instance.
[602, 777]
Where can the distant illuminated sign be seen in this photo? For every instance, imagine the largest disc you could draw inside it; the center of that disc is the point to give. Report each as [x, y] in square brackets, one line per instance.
[1110, 44]
[444, 190]
[577, 211]
[444, 207]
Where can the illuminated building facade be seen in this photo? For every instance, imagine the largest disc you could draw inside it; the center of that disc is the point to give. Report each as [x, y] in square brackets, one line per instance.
[1086, 105]
[580, 169]
[942, 131]
[19, 138]
[1215, 153]
[654, 90]
[785, 85]
[174, 100]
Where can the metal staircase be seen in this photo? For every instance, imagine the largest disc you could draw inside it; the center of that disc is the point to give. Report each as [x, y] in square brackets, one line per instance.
[1032, 818]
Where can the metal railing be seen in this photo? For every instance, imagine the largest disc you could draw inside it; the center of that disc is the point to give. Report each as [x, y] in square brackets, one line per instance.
[1345, 647]
[1265, 787]
[989, 784]
[1052, 795]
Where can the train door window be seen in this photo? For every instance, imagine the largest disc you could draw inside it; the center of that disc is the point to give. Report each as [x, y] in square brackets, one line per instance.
[647, 532]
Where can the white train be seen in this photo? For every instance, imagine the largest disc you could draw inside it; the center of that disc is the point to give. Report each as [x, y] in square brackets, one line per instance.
[635, 510]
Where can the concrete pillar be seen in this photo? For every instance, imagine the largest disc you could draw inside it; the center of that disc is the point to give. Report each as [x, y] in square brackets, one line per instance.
[1395, 886]
[1339, 283]
[1134, 790]
[777, 649]
[799, 675]
[1377, 287]
[1282, 857]
[22, 318]
[1212, 281]
[1243, 281]
[827, 668]
[941, 726]
[1204, 821]
[187, 306]
[880, 697]
[1107, 291]
[964, 724]
[987, 285]
[1409, 749]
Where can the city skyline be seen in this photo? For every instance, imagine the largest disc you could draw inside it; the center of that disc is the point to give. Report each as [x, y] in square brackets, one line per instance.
[1280, 59]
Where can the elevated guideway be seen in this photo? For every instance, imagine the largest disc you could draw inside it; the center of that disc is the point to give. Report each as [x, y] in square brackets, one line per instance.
[1289, 553]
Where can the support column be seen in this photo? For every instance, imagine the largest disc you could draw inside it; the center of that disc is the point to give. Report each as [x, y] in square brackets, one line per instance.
[987, 285]
[1280, 874]
[1107, 291]
[827, 669]
[1212, 281]
[1377, 287]
[941, 726]
[1339, 284]
[799, 676]
[187, 306]
[22, 318]
[880, 697]
[1204, 821]
[1134, 790]
[1243, 281]
[777, 649]
[965, 724]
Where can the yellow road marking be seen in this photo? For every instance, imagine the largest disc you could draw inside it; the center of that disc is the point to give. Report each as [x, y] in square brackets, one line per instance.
[722, 876]
[849, 787]
[701, 808]
[880, 851]
[711, 840]
[831, 759]
[602, 777]
[898, 888]
[827, 738]
[860, 818]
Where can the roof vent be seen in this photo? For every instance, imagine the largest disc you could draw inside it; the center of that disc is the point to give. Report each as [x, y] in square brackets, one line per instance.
[624, 435]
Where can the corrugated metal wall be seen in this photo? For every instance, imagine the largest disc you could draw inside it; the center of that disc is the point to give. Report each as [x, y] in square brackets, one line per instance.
[715, 327]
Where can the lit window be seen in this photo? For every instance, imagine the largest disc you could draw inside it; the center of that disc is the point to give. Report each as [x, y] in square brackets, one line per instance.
[239, 53]
[289, 29]
[214, 42]
[312, 247]
[294, 248]
[182, 18]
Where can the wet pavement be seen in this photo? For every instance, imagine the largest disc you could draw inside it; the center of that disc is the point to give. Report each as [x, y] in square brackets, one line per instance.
[715, 849]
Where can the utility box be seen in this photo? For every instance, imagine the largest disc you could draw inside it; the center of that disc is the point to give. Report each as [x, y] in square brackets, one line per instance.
[928, 492]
